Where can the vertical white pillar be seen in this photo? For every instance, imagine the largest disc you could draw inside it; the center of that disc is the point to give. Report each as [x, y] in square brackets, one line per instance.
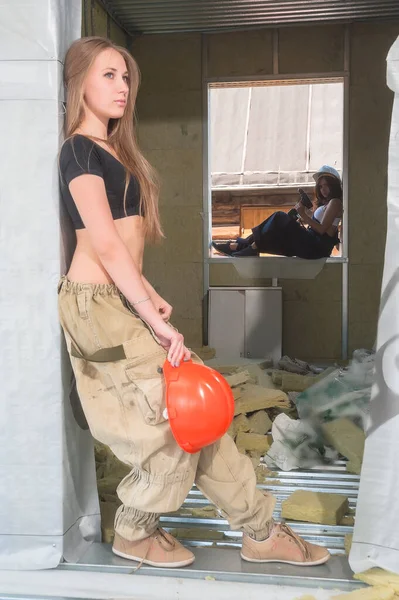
[48, 500]
[376, 537]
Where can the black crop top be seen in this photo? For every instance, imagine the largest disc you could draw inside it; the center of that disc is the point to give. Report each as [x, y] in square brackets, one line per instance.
[80, 155]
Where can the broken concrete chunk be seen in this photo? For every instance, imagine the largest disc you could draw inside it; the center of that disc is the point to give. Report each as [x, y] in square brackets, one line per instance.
[232, 431]
[258, 376]
[290, 382]
[266, 364]
[119, 470]
[348, 543]
[100, 471]
[255, 457]
[290, 411]
[348, 520]
[277, 377]
[377, 576]
[252, 442]
[266, 381]
[237, 392]
[254, 373]
[353, 467]
[111, 498]
[382, 592]
[262, 473]
[205, 512]
[259, 422]
[315, 507]
[108, 485]
[254, 397]
[226, 369]
[238, 378]
[182, 512]
[293, 365]
[195, 533]
[100, 451]
[241, 423]
[347, 438]
[205, 352]
[108, 511]
[108, 464]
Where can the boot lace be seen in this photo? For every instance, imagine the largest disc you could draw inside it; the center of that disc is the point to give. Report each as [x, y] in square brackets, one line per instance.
[298, 541]
[167, 543]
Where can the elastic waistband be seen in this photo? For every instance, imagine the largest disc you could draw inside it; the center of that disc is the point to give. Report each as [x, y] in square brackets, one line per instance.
[75, 287]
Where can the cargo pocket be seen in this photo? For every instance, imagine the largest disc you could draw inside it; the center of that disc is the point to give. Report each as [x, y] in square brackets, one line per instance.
[144, 373]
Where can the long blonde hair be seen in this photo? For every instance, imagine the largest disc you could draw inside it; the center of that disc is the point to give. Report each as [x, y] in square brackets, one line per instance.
[121, 132]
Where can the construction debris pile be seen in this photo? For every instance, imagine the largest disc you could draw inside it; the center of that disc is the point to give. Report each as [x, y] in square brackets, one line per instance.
[297, 417]
[261, 394]
[332, 404]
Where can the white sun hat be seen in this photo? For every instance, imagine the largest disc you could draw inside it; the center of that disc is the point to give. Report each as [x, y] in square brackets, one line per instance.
[326, 170]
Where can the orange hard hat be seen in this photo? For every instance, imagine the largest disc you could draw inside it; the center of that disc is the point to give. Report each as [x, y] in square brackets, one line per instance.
[199, 403]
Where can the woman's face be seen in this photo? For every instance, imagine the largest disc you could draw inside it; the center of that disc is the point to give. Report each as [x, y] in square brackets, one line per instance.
[324, 188]
[107, 86]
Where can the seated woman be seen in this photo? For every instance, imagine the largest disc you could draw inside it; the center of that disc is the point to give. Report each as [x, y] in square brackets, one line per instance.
[313, 235]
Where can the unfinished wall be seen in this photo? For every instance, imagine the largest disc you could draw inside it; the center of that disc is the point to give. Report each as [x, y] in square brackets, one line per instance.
[96, 21]
[370, 119]
[170, 130]
[170, 134]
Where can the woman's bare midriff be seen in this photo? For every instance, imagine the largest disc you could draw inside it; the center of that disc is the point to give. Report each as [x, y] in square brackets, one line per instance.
[86, 267]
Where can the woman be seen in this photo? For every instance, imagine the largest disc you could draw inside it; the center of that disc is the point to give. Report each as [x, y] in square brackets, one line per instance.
[118, 335]
[313, 235]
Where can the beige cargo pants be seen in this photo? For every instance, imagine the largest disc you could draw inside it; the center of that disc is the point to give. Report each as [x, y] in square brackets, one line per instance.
[118, 368]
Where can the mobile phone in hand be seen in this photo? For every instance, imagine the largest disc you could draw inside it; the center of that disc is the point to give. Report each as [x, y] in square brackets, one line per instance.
[306, 201]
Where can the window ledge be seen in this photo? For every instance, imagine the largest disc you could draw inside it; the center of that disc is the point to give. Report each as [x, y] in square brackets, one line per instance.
[280, 267]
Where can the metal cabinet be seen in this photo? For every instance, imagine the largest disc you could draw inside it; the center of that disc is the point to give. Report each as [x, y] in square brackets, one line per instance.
[245, 322]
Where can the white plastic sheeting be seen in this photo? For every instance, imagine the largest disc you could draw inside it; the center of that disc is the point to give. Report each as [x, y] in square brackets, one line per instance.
[37, 29]
[376, 536]
[48, 502]
[258, 138]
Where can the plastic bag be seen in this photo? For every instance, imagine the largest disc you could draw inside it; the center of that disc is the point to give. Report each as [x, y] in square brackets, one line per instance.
[296, 444]
[343, 393]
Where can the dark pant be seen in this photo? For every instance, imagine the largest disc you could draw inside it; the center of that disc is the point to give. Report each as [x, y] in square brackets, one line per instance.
[281, 234]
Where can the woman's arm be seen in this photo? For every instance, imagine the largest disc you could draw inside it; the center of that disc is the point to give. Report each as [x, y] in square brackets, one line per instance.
[333, 211]
[163, 307]
[309, 212]
[89, 195]
[150, 290]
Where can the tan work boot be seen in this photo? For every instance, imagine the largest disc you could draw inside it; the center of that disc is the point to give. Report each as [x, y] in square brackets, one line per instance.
[158, 550]
[283, 546]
